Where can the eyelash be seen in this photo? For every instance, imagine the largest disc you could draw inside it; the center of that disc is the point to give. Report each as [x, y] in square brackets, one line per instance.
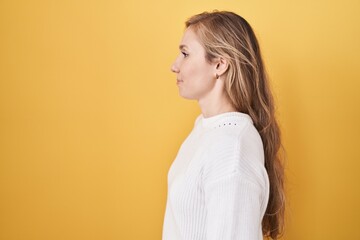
[185, 54]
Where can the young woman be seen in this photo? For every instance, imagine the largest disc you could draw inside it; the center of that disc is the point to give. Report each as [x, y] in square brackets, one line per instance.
[226, 181]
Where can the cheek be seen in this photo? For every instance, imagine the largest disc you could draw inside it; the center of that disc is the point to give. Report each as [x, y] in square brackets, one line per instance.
[189, 69]
[196, 71]
[199, 78]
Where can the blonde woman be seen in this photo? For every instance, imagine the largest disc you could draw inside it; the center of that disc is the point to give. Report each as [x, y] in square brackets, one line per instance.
[226, 181]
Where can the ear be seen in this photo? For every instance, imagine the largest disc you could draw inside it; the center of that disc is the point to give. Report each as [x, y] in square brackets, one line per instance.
[221, 65]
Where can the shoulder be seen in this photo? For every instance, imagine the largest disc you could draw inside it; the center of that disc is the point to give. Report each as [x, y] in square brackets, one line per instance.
[238, 149]
[243, 138]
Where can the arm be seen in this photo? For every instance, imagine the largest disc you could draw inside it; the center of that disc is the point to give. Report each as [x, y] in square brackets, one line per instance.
[236, 188]
[233, 206]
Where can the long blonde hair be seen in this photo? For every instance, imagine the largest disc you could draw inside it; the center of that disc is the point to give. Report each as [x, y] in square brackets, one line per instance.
[228, 35]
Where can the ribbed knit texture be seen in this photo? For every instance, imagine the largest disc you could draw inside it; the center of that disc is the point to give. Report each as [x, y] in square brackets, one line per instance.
[218, 187]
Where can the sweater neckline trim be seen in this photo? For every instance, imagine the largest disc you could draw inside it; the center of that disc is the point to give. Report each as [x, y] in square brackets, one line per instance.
[227, 118]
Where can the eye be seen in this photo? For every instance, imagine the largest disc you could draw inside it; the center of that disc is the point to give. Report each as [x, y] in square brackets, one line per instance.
[185, 54]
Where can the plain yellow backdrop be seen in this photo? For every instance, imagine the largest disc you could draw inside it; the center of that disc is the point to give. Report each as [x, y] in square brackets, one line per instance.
[91, 118]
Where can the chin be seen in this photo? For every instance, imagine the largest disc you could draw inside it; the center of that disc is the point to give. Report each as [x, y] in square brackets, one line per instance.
[187, 97]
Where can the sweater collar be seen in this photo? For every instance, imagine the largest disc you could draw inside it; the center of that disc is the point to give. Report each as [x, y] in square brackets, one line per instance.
[227, 118]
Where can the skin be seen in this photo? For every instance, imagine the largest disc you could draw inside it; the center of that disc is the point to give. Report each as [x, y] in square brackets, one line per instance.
[196, 78]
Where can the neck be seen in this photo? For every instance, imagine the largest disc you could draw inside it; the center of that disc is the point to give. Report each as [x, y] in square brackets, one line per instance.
[215, 103]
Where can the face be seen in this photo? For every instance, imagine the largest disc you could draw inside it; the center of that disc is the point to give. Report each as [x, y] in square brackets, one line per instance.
[195, 76]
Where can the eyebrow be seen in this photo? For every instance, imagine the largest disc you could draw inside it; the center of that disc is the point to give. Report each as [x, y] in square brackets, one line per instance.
[182, 46]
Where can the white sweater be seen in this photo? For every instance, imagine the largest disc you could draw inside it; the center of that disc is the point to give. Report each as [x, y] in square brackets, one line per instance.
[218, 187]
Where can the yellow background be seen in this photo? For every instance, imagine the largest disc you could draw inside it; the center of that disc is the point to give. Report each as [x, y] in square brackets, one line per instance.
[91, 118]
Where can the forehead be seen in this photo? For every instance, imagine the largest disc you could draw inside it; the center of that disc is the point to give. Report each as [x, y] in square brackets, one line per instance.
[190, 41]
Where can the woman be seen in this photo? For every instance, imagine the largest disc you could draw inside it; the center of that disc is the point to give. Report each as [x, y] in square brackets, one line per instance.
[227, 179]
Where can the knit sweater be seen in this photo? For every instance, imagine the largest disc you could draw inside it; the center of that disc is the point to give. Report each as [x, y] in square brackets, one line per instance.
[218, 187]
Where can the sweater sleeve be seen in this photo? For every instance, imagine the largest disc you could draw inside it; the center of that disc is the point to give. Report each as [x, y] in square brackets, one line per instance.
[236, 188]
[233, 209]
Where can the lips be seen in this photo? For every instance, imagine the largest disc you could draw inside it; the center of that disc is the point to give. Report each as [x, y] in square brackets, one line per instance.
[178, 81]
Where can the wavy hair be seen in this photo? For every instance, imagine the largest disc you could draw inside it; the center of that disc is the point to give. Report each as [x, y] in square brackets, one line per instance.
[228, 35]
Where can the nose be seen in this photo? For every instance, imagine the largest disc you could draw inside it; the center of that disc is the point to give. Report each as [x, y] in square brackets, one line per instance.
[174, 68]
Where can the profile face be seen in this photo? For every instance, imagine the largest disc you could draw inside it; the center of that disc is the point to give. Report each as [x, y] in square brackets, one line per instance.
[195, 76]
